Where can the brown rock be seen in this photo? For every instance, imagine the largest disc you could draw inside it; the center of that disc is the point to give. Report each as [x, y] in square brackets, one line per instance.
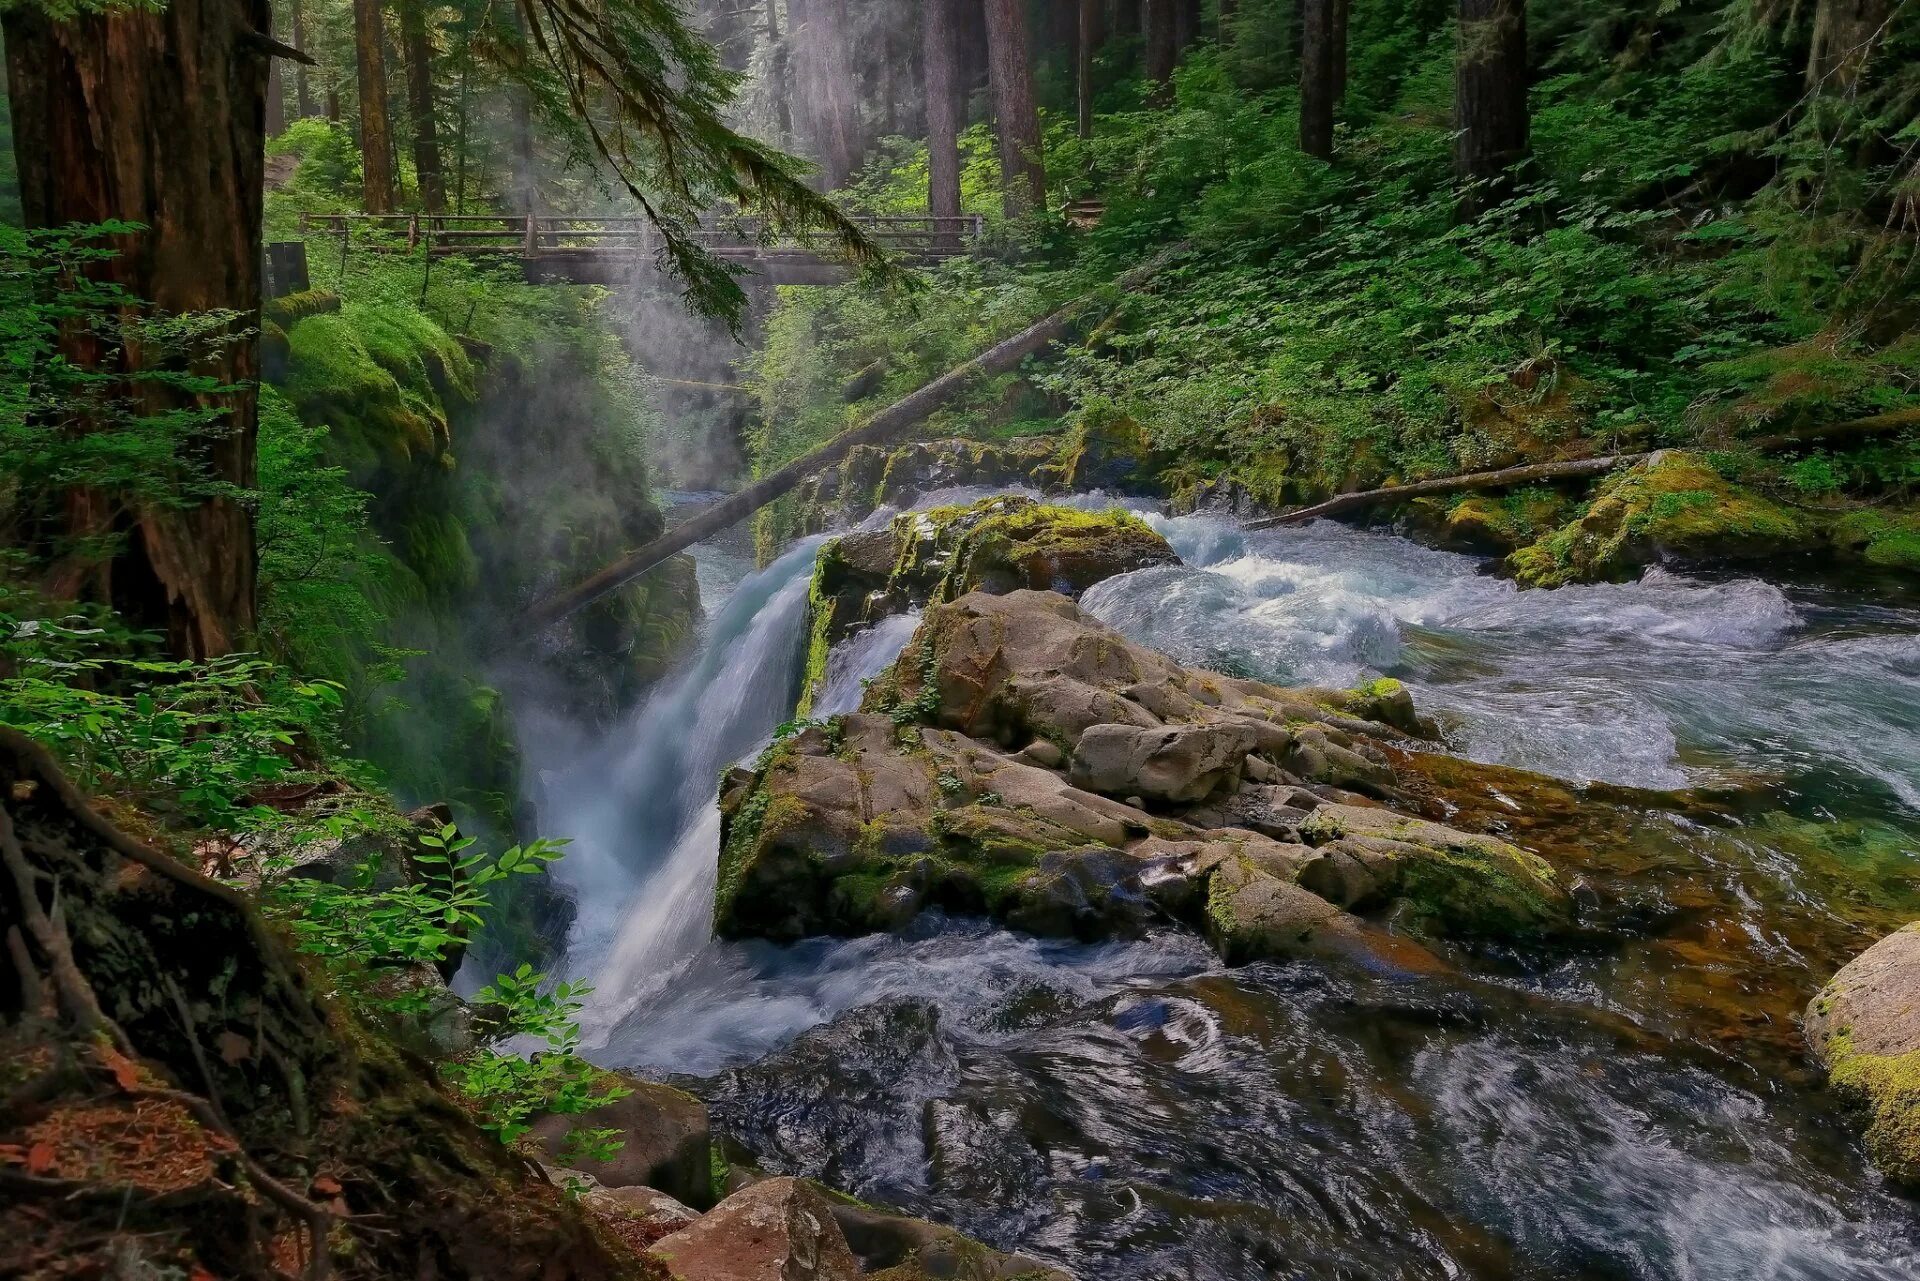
[666, 1140]
[777, 1230]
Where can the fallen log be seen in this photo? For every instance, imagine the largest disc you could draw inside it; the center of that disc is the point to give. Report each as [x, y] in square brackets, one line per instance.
[883, 426]
[1501, 478]
[1574, 469]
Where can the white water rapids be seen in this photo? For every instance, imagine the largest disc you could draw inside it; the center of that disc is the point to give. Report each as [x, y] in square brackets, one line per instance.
[1132, 1109]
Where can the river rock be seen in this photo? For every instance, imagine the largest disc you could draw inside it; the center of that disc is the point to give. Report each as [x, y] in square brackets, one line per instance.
[1170, 763]
[900, 1248]
[921, 801]
[1864, 1027]
[666, 1140]
[777, 1230]
[995, 545]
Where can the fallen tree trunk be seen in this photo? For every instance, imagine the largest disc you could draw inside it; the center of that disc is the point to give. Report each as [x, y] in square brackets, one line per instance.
[882, 427]
[1574, 469]
[1504, 477]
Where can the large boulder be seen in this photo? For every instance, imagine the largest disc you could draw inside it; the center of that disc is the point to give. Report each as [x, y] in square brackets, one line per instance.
[1864, 1027]
[995, 545]
[776, 1230]
[900, 1248]
[952, 790]
[666, 1143]
[1673, 505]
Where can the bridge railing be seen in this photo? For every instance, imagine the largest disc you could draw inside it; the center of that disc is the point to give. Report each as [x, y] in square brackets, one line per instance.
[917, 235]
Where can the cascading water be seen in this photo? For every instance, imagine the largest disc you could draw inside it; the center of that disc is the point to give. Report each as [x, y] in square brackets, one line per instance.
[1135, 1110]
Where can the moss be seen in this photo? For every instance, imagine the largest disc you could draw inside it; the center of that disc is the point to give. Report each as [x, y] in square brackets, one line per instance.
[1674, 503]
[290, 309]
[822, 620]
[1890, 540]
[378, 378]
[1887, 1088]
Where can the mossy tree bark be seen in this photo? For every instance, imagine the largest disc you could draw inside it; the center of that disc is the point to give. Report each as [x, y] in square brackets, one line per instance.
[157, 117]
[1490, 100]
[376, 131]
[1017, 117]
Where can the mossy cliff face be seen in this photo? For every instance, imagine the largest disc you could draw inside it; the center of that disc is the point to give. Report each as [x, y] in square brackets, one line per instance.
[1024, 762]
[491, 474]
[1864, 1027]
[995, 545]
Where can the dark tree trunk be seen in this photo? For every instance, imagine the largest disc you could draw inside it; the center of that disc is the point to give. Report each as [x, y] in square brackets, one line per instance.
[302, 82]
[1342, 9]
[840, 141]
[276, 100]
[376, 133]
[939, 36]
[1126, 17]
[1490, 99]
[426, 138]
[1162, 33]
[103, 130]
[1089, 37]
[1845, 33]
[1186, 24]
[1317, 64]
[1023, 172]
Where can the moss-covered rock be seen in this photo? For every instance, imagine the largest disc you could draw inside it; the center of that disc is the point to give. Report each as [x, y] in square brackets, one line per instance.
[1864, 1026]
[1108, 450]
[1888, 539]
[994, 545]
[979, 779]
[1673, 505]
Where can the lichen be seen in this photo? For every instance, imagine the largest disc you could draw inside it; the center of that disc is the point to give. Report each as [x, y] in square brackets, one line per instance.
[1887, 1088]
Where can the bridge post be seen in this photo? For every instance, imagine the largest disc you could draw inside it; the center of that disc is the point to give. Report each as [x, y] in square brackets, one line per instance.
[531, 244]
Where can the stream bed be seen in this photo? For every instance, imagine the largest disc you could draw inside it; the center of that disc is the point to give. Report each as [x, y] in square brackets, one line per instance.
[1636, 1107]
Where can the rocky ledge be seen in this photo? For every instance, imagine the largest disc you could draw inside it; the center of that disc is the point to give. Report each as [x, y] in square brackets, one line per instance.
[1864, 1027]
[1025, 762]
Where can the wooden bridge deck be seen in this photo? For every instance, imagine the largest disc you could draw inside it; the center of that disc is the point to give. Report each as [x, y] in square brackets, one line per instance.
[606, 251]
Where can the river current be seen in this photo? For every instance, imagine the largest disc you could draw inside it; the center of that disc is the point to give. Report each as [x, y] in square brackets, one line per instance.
[1632, 1109]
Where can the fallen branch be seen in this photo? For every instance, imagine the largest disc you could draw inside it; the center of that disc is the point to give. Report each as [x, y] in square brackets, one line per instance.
[1501, 478]
[1574, 469]
[883, 426]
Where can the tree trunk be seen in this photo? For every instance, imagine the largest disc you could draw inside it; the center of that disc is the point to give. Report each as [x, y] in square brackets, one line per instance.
[840, 142]
[276, 99]
[1186, 25]
[376, 134]
[773, 20]
[302, 83]
[158, 117]
[1341, 12]
[1126, 17]
[940, 36]
[426, 139]
[1023, 172]
[1845, 33]
[1162, 39]
[1490, 100]
[1091, 12]
[1317, 65]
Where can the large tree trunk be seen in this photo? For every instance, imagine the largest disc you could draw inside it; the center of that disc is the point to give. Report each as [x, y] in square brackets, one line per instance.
[376, 133]
[1845, 33]
[426, 140]
[1162, 33]
[1186, 24]
[1490, 100]
[158, 117]
[1317, 68]
[302, 82]
[276, 99]
[940, 37]
[840, 141]
[1341, 12]
[1023, 172]
[1092, 12]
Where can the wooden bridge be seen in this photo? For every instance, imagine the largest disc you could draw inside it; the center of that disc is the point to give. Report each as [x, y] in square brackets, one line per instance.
[554, 249]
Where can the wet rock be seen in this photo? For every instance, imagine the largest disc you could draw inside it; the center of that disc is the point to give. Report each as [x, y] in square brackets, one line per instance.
[1673, 505]
[777, 1230]
[1172, 763]
[422, 1012]
[900, 1248]
[1864, 1027]
[666, 1141]
[1460, 882]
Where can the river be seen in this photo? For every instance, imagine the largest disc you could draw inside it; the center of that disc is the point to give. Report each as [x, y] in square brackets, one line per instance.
[1633, 1107]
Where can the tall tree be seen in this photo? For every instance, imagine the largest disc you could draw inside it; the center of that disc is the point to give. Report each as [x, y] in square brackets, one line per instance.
[302, 82]
[1342, 10]
[1844, 35]
[104, 129]
[840, 140]
[1489, 99]
[1016, 116]
[1186, 24]
[1318, 64]
[940, 39]
[1163, 42]
[1087, 39]
[276, 100]
[376, 131]
[426, 138]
